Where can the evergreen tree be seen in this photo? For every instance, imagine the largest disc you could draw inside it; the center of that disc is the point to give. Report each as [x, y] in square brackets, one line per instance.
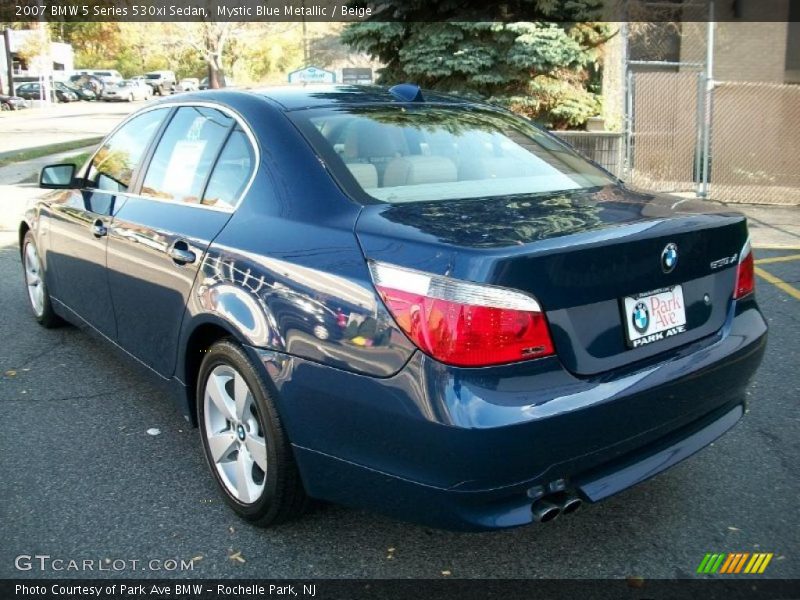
[546, 70]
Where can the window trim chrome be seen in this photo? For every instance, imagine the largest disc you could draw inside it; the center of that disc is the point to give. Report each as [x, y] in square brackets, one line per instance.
[240, 120]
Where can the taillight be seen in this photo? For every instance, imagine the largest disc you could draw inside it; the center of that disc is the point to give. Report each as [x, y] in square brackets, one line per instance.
[461, 323]
[745, 277]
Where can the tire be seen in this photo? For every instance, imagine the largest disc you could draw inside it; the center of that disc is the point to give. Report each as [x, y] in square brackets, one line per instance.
[262, 488]
[33, 276]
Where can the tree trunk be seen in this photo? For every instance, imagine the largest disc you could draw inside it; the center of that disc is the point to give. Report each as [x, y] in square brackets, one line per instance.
[216, 76]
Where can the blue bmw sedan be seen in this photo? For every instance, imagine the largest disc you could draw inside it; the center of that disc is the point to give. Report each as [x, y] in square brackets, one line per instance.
[399, 300]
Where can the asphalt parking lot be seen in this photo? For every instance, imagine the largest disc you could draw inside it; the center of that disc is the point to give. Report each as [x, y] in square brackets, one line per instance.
[82, 479]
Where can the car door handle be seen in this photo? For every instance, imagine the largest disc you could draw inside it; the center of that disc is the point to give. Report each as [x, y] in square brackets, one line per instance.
[99, 229]
[180, 253]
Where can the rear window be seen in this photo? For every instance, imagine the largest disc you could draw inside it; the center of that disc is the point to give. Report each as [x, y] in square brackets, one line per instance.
[401, 154]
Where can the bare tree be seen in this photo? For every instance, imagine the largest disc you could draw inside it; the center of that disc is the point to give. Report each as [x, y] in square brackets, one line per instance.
[209, 39]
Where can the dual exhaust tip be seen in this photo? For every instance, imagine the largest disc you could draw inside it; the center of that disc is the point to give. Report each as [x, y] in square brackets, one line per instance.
[550, 507]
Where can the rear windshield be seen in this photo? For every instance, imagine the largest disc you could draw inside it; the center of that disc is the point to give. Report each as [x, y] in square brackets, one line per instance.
[401, 154]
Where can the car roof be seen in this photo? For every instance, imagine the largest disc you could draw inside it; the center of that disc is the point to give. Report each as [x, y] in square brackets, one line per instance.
[317, 96]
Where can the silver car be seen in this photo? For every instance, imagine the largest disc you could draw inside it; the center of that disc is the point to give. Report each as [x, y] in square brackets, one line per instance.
[127, 90]
[189, 84]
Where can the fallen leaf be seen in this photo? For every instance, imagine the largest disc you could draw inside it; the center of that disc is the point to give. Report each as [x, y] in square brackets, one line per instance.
[635, 582]
[446, 573]
[197, 558]
[231, 529]
[734, 528]
[237, 556]
[153, 431]
[10, 373]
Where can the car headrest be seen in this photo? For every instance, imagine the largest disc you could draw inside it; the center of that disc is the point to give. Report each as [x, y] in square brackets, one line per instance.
[366, 140]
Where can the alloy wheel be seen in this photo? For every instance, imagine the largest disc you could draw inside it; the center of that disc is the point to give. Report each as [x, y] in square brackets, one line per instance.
[33, 279]
[234, 434]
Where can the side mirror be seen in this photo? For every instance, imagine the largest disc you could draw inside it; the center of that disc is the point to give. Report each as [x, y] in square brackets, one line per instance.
[57, 177]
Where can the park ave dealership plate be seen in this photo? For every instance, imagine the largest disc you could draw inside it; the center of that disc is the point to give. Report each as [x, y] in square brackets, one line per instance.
[654, 316]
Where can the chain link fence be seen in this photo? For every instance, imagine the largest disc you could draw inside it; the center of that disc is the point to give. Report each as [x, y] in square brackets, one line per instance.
[755, 143]
[662, 150]
[731, 141]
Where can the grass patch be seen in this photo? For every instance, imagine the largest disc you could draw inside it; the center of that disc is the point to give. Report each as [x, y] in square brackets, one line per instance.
[31, 153]
[78, 160]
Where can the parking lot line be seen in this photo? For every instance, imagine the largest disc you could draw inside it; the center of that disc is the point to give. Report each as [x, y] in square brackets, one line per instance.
[785, 247]
[778, 283]
[774, 259]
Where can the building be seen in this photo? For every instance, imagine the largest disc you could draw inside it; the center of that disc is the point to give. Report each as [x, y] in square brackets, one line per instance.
[25, 56]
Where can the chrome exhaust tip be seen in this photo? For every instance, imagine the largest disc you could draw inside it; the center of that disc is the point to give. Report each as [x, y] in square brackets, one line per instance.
[545, 511]
[568, 501]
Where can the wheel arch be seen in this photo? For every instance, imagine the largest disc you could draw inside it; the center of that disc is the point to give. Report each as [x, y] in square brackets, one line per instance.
[200, 335]
[24, 228]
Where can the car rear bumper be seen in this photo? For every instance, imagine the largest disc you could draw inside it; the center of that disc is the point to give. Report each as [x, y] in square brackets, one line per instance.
[464, 448]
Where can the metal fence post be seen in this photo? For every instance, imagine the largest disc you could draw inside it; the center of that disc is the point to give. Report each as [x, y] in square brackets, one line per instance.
[709, 88]
[628, 168]
[700, 126]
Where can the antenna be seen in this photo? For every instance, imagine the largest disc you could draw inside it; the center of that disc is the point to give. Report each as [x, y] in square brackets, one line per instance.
[408, 92]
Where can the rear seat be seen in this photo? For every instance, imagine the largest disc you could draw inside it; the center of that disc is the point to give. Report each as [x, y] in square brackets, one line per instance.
[369, 143]
[366, 174]
[493, 167]
[417, 169]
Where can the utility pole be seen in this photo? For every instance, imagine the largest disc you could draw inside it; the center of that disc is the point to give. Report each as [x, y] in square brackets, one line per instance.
[9, 61]
[305, 35]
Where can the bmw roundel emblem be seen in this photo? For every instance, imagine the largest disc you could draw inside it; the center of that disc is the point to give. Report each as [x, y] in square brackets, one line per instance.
[669, 258]
[640, 317]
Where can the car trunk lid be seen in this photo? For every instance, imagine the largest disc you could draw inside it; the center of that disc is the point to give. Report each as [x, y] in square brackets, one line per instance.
[580, 254]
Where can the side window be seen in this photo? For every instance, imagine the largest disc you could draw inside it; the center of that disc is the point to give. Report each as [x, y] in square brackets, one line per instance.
[232, 171]
[186, 154]
[114, 164]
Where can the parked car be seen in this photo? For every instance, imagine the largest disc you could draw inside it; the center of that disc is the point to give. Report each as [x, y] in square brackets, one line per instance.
[87, 82]
[107, 76]
[127, 90]
[517, 331]
[59, 92]
[162, 82]
[189, 84]
[226, 81]
[83, 93]
[65, 93]
[12, 103]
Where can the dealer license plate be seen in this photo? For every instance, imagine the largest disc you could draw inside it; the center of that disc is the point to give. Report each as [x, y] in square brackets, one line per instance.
[654, 316]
